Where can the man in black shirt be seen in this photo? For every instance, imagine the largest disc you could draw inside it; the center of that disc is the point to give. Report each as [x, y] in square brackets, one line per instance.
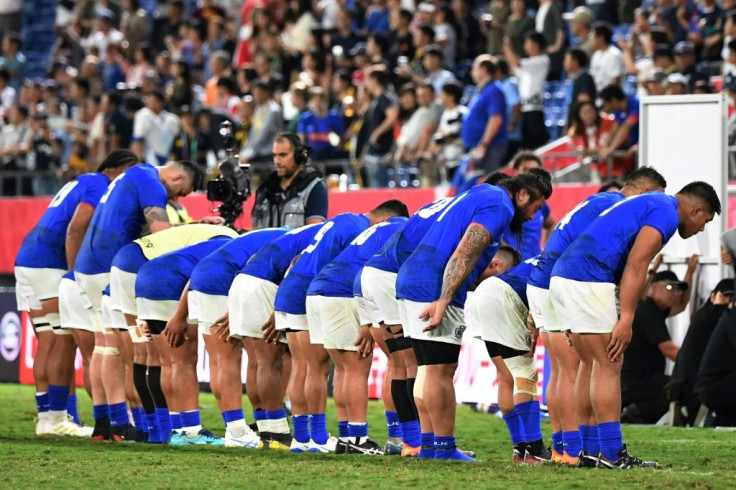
[717, 375]
[642, 376]
[702, 324]
[379, 122]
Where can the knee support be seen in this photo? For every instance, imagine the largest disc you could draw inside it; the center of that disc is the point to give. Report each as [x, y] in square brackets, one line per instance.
[105, 351]
[41, 324]
[397, 345]
[419, 382]
[525, 374]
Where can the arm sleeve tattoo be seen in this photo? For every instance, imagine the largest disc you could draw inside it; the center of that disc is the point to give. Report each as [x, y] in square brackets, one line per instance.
[155, 213]
[463, 260]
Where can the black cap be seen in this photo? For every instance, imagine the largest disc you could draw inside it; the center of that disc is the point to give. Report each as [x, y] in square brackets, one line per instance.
[684, 47]
[669, 276]
[724, 286]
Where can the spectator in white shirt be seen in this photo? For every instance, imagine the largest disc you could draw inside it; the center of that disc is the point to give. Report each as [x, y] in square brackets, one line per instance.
[7, 93]
[104, 34]
[417, 132]
[531, 72]
[446, 142]
[607, 64]
[154, 130]
[436, 75]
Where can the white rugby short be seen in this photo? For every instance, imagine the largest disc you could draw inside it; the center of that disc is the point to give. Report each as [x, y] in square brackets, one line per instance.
[24, 297]
[379, 289]
[287, 321]
[250, 303]
[497, 314]
[112, 318]
[149, 309]
[333, 322]
[542, 309]
[449, 331]
[584, 307]
[206, 308]
[122, 291]
[41, 282]
[367, 311]
[73, 304]
[93, 285]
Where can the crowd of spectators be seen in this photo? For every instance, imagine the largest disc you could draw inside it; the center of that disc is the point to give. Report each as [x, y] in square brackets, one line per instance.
[370, 85]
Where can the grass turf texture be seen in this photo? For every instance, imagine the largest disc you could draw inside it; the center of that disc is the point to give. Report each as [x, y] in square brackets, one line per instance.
[690, 458]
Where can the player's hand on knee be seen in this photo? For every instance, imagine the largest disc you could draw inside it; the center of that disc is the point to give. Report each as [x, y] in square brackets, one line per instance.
[620, 339]
[175, 331]
[726, 256]
[533, 331]
[433, 314]
[270, 334]
[364, 342]
[568, 336]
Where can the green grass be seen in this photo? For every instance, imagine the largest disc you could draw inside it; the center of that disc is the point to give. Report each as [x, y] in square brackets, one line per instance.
[691, 458]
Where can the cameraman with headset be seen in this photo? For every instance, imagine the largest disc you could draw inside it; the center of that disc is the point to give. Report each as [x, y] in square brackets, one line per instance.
[295, 193]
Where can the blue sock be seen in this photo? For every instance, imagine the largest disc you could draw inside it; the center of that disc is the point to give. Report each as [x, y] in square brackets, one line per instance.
[276, 414]
[58, 397]
[529, 414]
[589, 434]
[611, 439]
[139, 419]
[119, 414]
[100, 412]
[572, 443]
[164, 423]
[557, 442]
[42, 402]
[175, 421]
[318, 428]
[515, 427]
[233, 415]
[259, 415]
[190, 419]
[358, 430]
[71, 407]
[154, 431]
[427, 441]
[392, 421]
[411, 433]
[301, 428]
[446, 448]
[342, 428]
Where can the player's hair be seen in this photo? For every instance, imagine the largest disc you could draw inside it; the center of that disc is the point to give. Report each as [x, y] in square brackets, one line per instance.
[496, 177]
[705, 192]
[612, 92]
[604, 30]
[392, 207]
[194, 172]
[648, 173]
[118, 158]
[512, 252]
[537, 182]
[580, 57]
[525, 156]
[537, 38]
[454, 90]
[609, 186]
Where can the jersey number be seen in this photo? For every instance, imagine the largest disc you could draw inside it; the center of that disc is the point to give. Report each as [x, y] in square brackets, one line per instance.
[434, 208]
[564, 221]
[112, 185]
[319, 236]
[63, 192]
[363, 237]
[617, 205]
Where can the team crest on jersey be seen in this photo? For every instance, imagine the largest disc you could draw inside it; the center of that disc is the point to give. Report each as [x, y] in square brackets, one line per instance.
[458, 333]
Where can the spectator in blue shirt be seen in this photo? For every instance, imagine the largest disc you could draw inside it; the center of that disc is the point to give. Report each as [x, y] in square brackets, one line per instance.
[484, 130]
[13, 60]
[112, 74]
[510, 87]
[319, 128]
[625, 110]
[376, 18]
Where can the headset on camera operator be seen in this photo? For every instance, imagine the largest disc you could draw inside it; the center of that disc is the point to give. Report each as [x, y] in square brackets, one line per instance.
[295, 193]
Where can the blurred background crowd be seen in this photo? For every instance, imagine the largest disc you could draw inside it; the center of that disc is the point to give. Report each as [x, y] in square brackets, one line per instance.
[386, 92]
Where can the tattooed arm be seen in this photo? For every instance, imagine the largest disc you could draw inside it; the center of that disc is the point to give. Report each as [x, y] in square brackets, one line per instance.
[461, 264]
[156, 218]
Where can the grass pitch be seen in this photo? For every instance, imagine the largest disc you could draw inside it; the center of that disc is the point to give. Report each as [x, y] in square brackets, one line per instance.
[690, 458]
